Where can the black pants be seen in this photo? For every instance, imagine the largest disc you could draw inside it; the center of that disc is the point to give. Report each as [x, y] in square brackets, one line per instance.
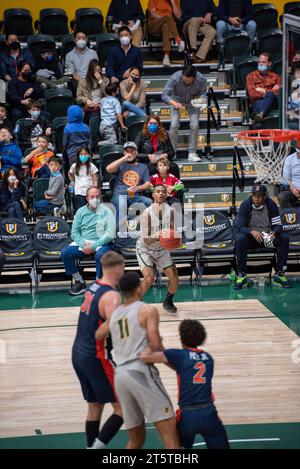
[2, 259]
[287, 199]
[244, 242]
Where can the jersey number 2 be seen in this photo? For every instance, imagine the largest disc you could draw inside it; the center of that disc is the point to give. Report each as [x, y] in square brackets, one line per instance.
[123, 325]
[198, 377]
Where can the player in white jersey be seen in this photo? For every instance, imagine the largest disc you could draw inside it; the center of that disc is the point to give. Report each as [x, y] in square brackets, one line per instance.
[134, 327]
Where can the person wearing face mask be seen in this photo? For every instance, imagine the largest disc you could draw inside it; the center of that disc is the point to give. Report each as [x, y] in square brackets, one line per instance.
[133, 92]
[10, 153]
[14, 55]
[262, 87]
[127, 13]
[258, 216]
[93, 231]
[11, 195]
[78, 59]
[85, 174]
[54, 196]
[30, 129]
[122, 57]
[49, 71]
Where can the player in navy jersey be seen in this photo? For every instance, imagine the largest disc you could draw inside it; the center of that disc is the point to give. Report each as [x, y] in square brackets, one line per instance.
[194, 367]
[91, 358]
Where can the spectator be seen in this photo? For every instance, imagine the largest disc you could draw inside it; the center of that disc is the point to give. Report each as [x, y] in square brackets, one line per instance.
[111, 115]
[22, 90]
[11, 195]
[235, 16]
[31, 128]
[291, 176]
[10, 153]
[54, 195]
[9, 60]
[49, 70]
[76, 133]
[165, 178]
[122, 57]
[133, 91]
[262, 87]
[4, 120]
[39, 157]
[296, 57]
[153, 143]
[91, 89]
[161, 20]
[78, 59]
[294, 98]
[258, 215]
[93, 230]
[130, 14]
[84, 173]
[197, 19]
[131, 178]
[181, 88]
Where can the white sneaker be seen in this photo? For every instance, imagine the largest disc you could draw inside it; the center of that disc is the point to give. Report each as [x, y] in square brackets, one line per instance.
[56, 211]
[192, 156]
[166, 61]
[98, 444]
[181, 46]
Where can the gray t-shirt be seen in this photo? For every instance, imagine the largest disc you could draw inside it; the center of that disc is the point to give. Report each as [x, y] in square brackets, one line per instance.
[260, 220]
[130, 175]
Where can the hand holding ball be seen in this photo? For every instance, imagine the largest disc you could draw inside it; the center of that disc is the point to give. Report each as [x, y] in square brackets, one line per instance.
[169, 240]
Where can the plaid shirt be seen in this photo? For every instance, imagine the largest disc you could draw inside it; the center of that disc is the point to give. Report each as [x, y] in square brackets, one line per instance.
[258, 80]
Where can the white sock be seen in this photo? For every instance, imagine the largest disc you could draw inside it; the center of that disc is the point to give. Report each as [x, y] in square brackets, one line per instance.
[77, 277]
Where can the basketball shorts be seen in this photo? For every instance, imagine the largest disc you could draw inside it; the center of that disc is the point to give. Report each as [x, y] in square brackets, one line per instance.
[141, 394]
[150, 258]
[96, 378]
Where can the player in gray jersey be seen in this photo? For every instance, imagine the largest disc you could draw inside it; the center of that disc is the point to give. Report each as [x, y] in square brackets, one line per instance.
[134, 327]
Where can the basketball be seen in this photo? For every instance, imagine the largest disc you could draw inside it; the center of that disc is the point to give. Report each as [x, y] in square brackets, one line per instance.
[169, 240]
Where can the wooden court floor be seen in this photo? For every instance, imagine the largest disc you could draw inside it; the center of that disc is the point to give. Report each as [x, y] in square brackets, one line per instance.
[255, 380]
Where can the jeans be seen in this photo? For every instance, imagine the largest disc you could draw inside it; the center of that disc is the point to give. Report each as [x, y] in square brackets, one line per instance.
[69, 254]
[265, 104]
[194, 126]
[133, 109]
[108, 134]
[44, 206]
[122, 202]
[222, 27]
[14, 210]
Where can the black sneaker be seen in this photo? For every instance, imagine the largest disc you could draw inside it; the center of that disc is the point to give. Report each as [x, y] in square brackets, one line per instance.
[77, 288]
[170, 307]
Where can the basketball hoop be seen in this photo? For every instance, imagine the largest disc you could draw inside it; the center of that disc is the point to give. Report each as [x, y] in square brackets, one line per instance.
[267, 150]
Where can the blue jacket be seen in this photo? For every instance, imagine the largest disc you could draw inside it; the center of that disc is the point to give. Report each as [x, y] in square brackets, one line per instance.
[118, 62]
[6, 197]
[8, 64]
[191, 9]
[76, 133]
[10, 156]
[224, 6]
[243, 219]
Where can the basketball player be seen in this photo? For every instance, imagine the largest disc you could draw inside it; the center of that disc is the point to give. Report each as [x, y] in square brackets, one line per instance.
[194, 367]
[134, 326]
[92, 359]
[150, 253]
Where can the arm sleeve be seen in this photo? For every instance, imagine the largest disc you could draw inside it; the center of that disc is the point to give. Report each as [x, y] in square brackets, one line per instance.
[146, 175]
[175, 358]
[110, 230]
[142, 157]
[76, 231]
[251, 87]
[80, 95]
[275, 217]
[69, 66]
[111, 63]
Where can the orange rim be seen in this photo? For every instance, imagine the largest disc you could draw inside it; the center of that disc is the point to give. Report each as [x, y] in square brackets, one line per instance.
[277, 135]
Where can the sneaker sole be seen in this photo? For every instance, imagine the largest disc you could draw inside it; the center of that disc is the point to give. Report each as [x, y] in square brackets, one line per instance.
[170, 310]
[279, 285]
[77, 293]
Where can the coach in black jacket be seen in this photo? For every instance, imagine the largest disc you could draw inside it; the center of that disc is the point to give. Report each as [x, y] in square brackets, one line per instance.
[259, 215]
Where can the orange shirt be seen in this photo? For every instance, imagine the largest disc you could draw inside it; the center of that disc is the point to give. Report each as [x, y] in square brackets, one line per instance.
[39, 160]
[162, 7]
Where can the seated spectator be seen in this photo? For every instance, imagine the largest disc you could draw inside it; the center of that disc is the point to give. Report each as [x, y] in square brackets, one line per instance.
[54, 195]
[295, 57]
[22, 90]
[153, 143]
[93, 230]
[49, 70]
[165, 178]
[122, 57]
[124, 13]
[12, 195]
[4, 120]
[84, 174]
[9, 60]
[76, 133]
[262, 87]
[133, 91]
[291, 177]
[91, 89]
[235, 15]
[294, 97]
[10, 153]
[78, 59]
[39, 157]
[32, 127]
[162, 20]
[197, 19]
[111, 115]
[131, 178]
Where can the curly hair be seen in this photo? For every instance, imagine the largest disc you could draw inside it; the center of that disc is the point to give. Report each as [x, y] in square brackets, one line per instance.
[162, 133]
[192, 333]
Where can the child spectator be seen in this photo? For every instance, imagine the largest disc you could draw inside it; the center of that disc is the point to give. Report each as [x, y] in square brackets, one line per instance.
[10, 153]
[54, 195]
[49, 70]
[39, 157]
[76, 133]
[4, 121]
[171, 182]
[32, 127]
[84, 173]
[11, 195]
[111, 114]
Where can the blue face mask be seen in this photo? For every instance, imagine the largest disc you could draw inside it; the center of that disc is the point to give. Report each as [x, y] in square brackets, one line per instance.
[153, 128]
[263, 68]
[56, 173]
[50, 58]
[84, 158]
[35, 114]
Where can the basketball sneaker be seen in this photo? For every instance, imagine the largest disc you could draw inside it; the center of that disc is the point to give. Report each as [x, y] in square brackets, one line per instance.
[77, 288]
[240, 281]
[169, 306]
[280, 280]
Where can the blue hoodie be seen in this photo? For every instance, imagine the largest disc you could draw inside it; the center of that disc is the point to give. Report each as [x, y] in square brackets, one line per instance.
[10, 156]
[76, 133]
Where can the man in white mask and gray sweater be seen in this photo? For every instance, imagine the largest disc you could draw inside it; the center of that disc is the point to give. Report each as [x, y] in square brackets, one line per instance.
[78, 59]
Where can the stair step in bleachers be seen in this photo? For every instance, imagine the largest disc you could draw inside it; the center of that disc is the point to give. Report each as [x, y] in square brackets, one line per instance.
[218, 198]
[222, 139]
[219, 169]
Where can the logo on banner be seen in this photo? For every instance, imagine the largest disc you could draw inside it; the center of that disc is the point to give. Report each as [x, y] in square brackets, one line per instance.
[11, 228]
[212, 167]
[209, 219]
[290, 217]
[132, 224]
[52, 226]
[225, 197]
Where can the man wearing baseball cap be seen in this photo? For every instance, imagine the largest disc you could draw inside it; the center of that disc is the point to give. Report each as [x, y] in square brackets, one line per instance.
[259, 225]
[132, 178]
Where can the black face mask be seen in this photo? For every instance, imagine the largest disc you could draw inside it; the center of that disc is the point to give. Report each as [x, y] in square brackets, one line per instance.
[134, 79]
[15, 45]
[27, 75]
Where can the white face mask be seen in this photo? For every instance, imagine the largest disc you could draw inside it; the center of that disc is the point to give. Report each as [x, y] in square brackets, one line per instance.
[94, 203]
[11, 179]
[81, 43]
[124, 40]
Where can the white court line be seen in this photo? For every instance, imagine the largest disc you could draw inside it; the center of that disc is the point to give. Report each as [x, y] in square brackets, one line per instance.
[246, 440]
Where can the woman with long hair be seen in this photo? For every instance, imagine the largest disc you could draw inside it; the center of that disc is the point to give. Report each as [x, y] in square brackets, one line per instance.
[133, 91]
[11, 195]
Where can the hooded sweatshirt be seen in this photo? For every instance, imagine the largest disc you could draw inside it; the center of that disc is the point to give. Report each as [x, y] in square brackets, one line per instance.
[76, 133]
[10, 156]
